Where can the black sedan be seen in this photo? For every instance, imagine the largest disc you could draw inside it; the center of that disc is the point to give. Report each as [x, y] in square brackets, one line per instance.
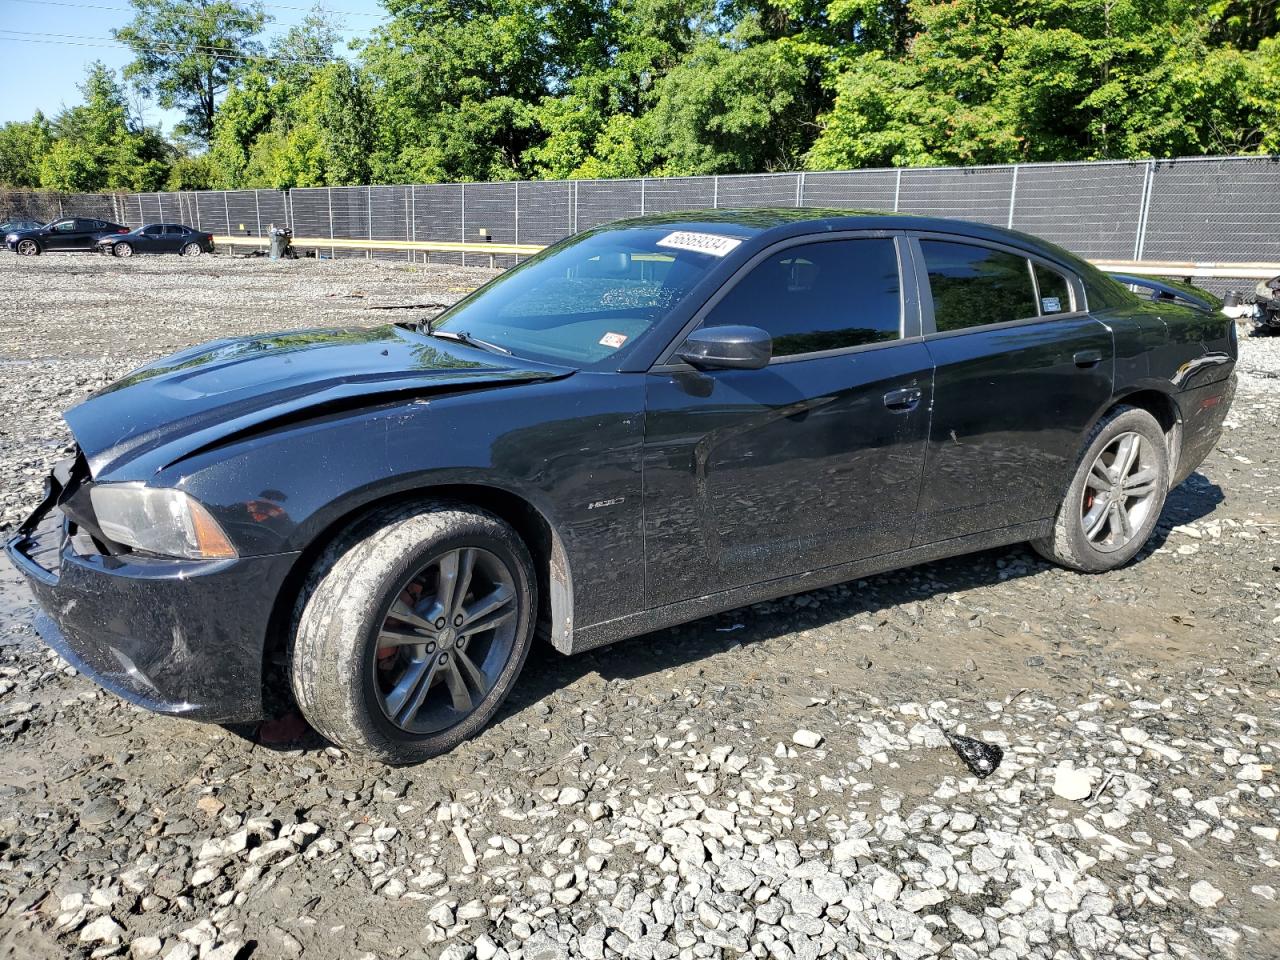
[66, 234]
[159, 238]
[648, 423]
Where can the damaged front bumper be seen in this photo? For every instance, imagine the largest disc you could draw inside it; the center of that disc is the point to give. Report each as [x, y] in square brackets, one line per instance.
[180, 637]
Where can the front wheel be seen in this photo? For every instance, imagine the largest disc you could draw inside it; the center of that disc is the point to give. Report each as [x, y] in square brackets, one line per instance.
[192, 250]
[1114, 501]
[123, 250]
[28, 248]
[412, 629]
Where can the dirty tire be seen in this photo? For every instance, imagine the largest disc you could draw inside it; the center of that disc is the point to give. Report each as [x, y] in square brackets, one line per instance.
[123, 250]
[345, 601]
[1068, 544]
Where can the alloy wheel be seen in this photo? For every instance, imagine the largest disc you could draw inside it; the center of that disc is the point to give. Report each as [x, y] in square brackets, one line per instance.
[28, 248]
[445, 640]
[191, 250]
[1119, 492]
[123, 250]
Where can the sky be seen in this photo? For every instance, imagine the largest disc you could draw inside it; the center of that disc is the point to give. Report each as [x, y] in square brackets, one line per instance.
[46, 45]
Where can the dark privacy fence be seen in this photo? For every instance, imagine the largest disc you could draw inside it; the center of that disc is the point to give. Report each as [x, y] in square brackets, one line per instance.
[1221, 209]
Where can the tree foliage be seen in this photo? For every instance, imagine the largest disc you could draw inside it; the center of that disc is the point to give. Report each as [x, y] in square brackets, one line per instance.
[474, 90]
[93, 146]
[186, 53]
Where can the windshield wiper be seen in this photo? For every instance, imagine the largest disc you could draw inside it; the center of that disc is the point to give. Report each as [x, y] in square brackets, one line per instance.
[463, 337]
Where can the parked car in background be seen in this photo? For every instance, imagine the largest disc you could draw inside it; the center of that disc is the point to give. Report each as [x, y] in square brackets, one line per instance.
[158, 238]
[18, 226]
[69, 233]
[650, 422]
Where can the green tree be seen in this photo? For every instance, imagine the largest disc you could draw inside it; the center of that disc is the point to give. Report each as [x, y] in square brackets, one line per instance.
[594, 124]
[186, 53]
[734, 109]
[994, 82]
[456, 83]
[23, 146]
[98, 145]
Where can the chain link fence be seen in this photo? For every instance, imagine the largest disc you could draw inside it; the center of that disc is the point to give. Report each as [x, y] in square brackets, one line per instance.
[1220, 209]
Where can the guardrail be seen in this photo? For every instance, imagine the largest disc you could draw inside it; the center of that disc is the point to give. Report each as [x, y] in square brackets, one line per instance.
[1195, 271]
[1250, 270]
[427, 247]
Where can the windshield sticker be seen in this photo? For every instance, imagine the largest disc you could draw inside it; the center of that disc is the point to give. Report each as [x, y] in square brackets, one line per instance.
[1051, 304]
[711, 243]
[614, 340]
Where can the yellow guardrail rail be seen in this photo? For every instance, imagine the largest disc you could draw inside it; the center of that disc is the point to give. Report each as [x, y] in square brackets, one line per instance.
[422, 246]
[1248, 270]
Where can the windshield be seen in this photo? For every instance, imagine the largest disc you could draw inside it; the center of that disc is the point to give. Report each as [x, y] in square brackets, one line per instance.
[590, 301]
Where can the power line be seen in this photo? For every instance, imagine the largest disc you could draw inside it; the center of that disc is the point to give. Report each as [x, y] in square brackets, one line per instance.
[270, 6]
[121, 10]
[74, 40]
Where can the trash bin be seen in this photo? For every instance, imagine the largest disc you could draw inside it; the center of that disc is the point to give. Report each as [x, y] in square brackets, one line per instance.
[280, 240]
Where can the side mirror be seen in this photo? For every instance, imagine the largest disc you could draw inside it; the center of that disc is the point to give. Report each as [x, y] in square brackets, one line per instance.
[727, 348]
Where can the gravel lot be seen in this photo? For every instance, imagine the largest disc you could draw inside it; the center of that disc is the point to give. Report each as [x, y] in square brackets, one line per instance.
[766, 781]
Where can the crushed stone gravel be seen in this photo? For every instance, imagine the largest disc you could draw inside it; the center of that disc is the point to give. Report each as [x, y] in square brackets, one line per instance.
[771, 782]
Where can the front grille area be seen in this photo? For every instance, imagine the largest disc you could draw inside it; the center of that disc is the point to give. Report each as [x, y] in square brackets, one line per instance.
[43, 544]
[44, 534]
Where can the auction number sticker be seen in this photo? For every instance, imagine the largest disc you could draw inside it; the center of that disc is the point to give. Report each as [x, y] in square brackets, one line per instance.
[711, 243]
[614, 340]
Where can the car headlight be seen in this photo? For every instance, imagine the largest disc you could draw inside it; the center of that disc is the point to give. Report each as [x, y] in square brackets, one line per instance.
[159, 520]
[8, 237]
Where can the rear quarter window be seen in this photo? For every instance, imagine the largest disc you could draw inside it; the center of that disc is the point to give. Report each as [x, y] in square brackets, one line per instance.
[976, 286]
[1054, 290]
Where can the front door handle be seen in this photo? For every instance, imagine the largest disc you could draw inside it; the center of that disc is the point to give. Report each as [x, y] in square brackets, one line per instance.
[900, 401]
[1088, 358]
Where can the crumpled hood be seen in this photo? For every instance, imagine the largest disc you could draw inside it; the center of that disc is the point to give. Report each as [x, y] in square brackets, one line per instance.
[192, 399]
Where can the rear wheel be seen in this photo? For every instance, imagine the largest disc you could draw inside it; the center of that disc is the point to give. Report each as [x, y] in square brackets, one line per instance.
[28, 248]
[1114, 501]
[192, 250]
[412, 630]
[123, 249]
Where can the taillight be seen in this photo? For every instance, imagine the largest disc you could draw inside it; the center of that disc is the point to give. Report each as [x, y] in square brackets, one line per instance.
[123, 230]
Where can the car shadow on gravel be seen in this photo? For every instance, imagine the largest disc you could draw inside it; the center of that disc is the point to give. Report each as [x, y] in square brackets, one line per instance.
[546, 672]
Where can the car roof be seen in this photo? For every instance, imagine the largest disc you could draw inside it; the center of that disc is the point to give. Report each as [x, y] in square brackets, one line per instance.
[767, 223]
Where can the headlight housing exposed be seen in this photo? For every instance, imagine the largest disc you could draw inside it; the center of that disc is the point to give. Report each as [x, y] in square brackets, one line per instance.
[159, 520]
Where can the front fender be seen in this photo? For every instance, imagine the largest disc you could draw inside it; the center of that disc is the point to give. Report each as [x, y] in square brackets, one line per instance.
[559, 446]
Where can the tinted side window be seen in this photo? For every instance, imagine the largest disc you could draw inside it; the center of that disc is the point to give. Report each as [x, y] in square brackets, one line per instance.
[973, 286]
[65, 226]
[819, 296]
[1055, 292]
[153, 231]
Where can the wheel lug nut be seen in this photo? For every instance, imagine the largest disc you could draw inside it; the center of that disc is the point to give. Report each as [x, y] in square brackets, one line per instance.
[440, 623]
[431, 648]
[444, 658]
[461, 642]
[457, 621]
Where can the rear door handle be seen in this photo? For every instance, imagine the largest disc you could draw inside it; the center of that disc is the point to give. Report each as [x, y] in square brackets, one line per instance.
[902, 400]
[1088, 358]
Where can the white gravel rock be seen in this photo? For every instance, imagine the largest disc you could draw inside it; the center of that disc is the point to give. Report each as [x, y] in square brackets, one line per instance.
[1071, 783]
[806, 738]
[1205, 894]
